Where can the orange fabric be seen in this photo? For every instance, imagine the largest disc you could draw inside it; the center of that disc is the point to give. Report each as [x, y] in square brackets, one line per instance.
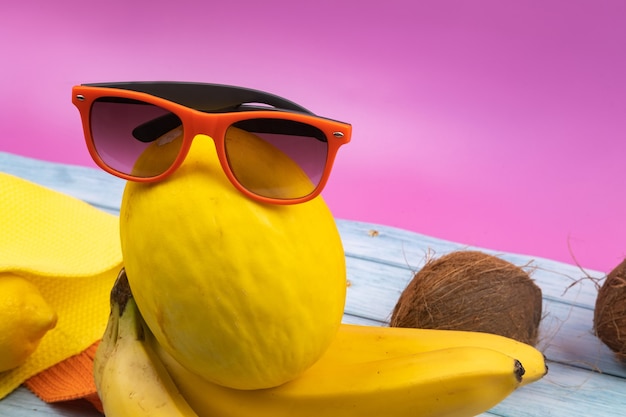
[70, 379]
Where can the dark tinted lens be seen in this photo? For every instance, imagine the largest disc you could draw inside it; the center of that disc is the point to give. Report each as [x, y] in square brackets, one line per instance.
[276, 158]
[123, 130]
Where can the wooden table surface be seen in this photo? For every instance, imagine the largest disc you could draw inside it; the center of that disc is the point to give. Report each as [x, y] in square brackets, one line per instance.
[584, 379]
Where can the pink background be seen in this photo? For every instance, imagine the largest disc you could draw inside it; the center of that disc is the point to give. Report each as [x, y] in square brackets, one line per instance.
[489, 122]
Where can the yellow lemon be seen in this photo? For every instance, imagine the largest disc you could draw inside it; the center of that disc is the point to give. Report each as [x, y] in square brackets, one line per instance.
[246, 295]
[25, 317]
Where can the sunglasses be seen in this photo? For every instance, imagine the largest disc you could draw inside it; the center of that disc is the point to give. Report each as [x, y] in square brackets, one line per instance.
[271, 149]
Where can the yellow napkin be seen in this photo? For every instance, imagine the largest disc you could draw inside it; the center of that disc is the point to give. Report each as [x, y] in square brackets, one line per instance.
[71, 252]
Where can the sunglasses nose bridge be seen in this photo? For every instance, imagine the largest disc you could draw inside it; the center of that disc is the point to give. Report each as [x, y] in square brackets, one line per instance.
[205, 127]
[203, 124]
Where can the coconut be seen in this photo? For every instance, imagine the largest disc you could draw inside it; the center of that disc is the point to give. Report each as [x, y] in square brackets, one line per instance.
[609, 319]
[472, 291]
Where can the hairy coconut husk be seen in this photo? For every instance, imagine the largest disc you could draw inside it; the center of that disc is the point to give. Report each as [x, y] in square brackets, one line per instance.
[472, 291]
[609, 319]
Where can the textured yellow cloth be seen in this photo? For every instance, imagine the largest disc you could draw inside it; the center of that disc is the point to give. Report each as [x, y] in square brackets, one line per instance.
[71, 252]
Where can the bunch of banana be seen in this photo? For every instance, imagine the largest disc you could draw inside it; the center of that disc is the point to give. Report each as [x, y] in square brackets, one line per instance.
[367, 371]
[129, 377]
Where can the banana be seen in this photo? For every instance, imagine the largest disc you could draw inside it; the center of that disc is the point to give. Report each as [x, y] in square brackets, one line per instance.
[358, 344]
[367, 371]
[130, 379]
[453, 382]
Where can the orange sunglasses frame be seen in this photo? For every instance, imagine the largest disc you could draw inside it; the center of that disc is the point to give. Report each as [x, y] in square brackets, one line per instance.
[215, 124]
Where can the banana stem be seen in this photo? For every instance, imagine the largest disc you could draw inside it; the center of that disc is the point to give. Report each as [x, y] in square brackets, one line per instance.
[121, 292]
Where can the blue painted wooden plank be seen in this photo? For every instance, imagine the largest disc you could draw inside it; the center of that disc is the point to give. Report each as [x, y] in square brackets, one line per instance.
[410, 250]
[566, 333]
[568, 391]
[381, 261]
[22, 403]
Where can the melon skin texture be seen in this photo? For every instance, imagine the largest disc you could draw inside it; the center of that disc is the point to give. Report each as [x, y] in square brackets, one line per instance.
[244, 294]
